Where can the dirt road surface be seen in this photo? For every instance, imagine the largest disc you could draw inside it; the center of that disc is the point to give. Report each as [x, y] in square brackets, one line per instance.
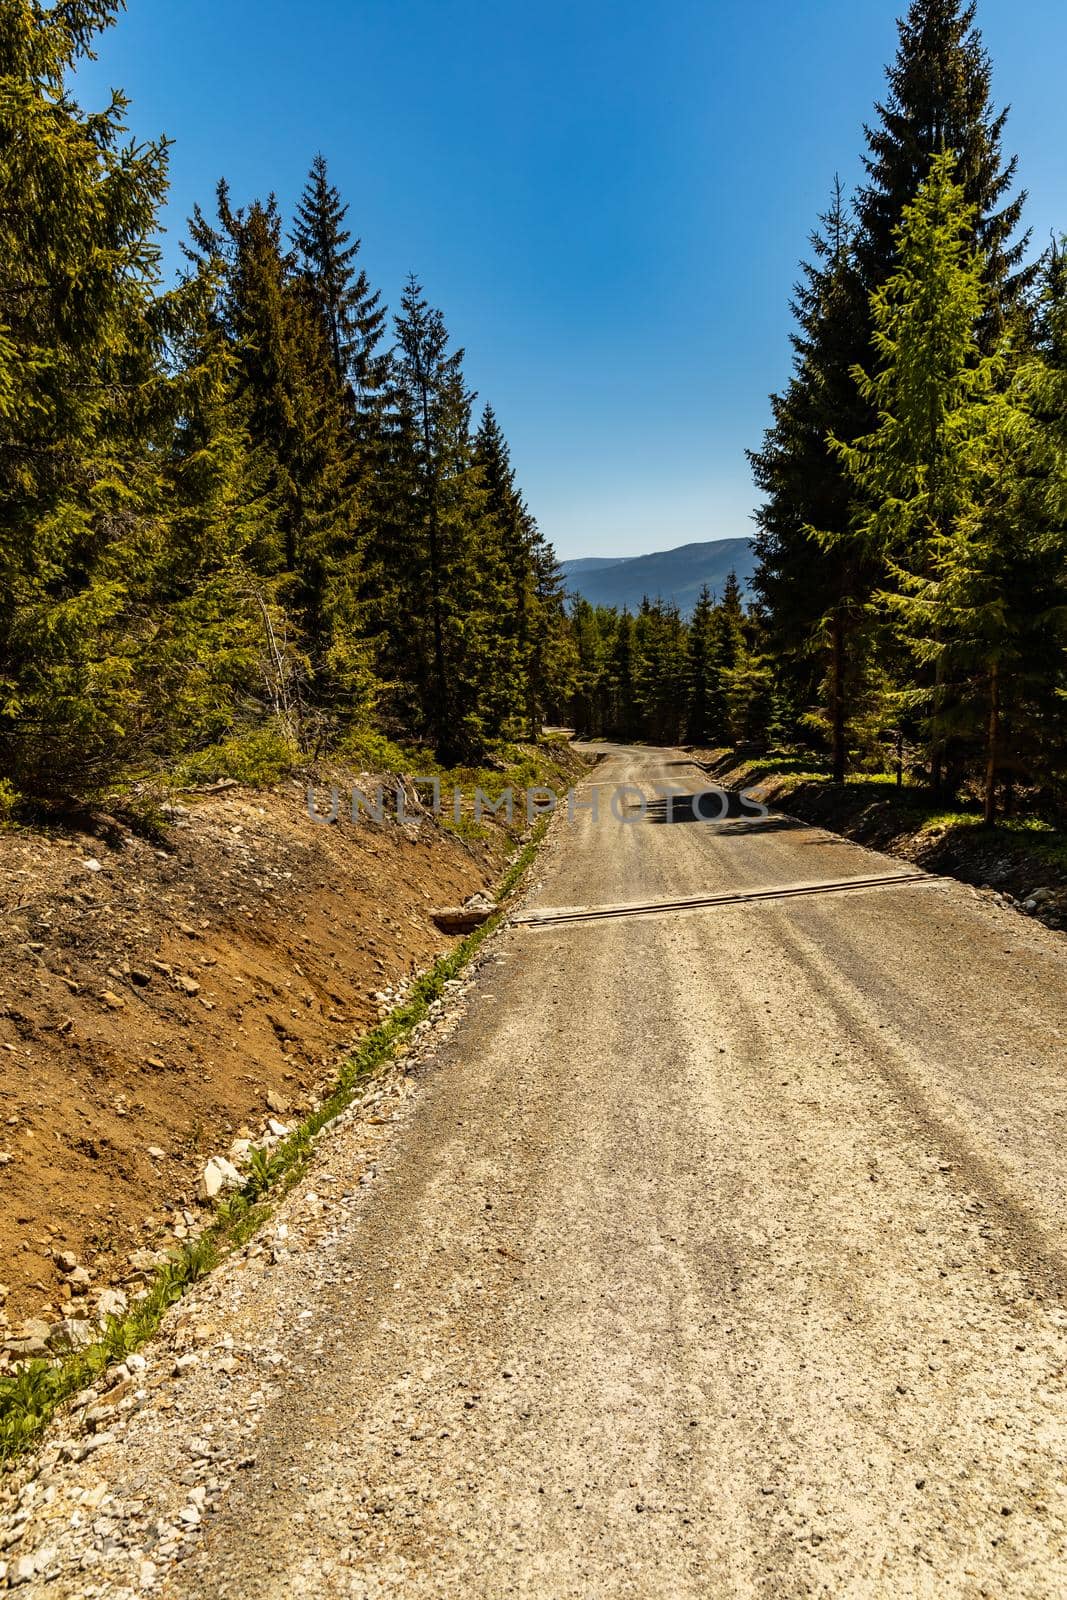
[714, 1253]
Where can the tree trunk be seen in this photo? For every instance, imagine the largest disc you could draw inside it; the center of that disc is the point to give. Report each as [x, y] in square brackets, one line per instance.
[837, 698]
[444, 733]
[937, 754]
[989, 806]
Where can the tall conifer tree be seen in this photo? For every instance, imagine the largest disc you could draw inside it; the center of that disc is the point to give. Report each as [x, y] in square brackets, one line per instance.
[351, 311]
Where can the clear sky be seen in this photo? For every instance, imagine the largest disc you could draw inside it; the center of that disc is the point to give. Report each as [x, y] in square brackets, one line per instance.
[608, 199]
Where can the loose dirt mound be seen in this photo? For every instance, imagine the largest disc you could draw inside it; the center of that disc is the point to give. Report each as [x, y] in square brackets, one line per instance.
[158, 1000]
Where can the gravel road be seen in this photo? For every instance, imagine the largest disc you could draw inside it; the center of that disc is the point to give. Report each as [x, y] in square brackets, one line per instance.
[715, 1253]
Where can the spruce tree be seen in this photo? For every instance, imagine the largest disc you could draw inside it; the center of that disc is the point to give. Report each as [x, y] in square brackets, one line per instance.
[1022, 537]
[296, 417]
[660, 671]
[940, 99]
[552, 661]
[80, 381]
[204, 670]
[508, 530]
[441, 547]
[704, 721]
[815, 594]
[945, 420]
[352, 312]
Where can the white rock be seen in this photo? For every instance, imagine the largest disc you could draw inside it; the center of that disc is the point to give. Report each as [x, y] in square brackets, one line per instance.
[278, 1129]
[77, 1332]
[91, 864]
[217, 1176]
[111, 1303]
[156, 1153]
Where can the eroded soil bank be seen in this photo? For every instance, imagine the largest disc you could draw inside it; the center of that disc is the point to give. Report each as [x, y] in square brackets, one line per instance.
[161, 998]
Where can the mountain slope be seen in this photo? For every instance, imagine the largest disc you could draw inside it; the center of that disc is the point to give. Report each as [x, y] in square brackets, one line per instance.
[664, 574]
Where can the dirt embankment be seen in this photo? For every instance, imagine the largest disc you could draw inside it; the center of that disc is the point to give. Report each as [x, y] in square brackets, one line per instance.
[1012, 864]
[159, 999]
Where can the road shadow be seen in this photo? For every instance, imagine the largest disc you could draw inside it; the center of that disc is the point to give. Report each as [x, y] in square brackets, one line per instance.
[707, 808]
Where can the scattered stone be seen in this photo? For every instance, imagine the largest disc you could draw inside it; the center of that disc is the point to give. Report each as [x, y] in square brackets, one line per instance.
[74, 1334]
[461, 919]
[35, 1327]
[114, 1001]
[145, 1261]
[26, 1566]
[65, 1260]
[141, 978]
[27, 1347]
[277, 1102]
[156, 1153]
[186, 984]
[278, 1129]
[91, 864]
[80, 1280]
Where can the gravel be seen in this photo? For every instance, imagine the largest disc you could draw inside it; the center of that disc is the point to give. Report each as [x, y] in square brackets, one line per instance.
[717, 1255]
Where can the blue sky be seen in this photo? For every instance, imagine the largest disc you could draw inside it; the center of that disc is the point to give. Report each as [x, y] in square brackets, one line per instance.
[607, 199]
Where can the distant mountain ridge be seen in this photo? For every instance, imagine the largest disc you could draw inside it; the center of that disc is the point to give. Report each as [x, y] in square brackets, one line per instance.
[674, 575]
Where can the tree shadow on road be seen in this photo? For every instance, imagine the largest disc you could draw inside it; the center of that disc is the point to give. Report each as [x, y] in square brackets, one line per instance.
[707, 808]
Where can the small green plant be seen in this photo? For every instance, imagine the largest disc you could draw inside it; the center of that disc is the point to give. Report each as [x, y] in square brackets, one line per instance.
[258, 757]
[9, 800]
[466, 828]
[366, 748]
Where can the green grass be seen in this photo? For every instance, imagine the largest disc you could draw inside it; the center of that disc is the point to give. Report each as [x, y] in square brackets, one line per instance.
[466, 828]
[31, 1394]
[260, 757]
